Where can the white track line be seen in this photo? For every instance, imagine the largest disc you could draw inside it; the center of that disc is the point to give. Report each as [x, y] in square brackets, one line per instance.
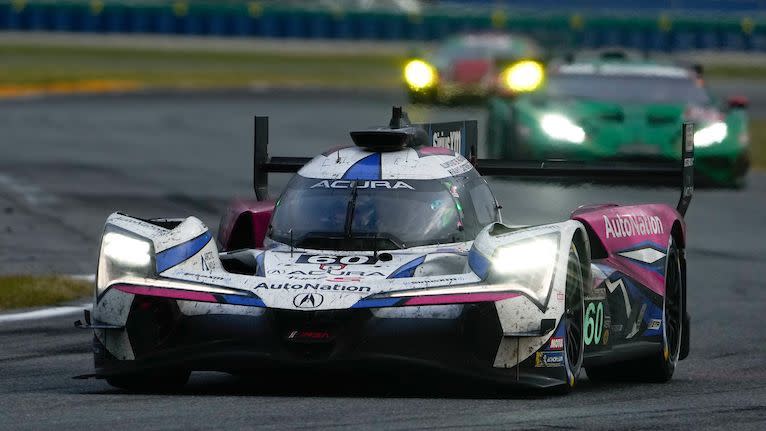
[44, 313]
[84, 277]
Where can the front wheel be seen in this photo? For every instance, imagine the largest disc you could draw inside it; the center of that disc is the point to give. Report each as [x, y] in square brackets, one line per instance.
[574, 344]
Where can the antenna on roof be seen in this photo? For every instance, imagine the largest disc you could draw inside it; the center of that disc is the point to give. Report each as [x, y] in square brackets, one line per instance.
[399, 118]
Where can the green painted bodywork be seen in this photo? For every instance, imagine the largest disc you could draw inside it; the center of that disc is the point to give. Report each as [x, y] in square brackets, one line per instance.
[614, 131]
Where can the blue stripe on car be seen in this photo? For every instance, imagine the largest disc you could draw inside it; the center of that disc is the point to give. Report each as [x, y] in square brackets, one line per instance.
[375, 303]
[174, 255]
[408, 269]
[250, 301]
[367, 168]
[478, 263]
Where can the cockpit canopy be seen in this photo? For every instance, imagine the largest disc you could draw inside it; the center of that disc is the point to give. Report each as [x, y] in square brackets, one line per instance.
[339, 214]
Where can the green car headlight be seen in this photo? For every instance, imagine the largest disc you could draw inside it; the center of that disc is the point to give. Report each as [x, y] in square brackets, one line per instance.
[712, 134]
[419, 75]
[562, 128]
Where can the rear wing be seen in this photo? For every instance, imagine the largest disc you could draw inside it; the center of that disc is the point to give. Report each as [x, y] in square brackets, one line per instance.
[462, 137]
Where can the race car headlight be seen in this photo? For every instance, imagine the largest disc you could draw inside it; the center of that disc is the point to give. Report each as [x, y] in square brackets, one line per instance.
[524, 76]
[123, 255]
[562, 128]
[419, 75]
[527, 264]
[712, 134]
[126, 251]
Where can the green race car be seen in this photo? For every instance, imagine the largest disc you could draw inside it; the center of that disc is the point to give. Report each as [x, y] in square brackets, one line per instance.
[622, 109]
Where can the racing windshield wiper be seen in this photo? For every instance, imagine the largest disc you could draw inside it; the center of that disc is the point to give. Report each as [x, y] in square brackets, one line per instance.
[350, 210]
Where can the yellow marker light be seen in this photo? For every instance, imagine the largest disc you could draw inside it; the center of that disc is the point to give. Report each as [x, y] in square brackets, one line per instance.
[419, 74]
[526, 75]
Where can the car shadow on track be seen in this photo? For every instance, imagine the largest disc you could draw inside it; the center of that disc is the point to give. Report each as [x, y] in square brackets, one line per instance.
[355, 386]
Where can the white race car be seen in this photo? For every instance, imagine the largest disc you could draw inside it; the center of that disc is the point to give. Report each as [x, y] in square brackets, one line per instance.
[391, 254]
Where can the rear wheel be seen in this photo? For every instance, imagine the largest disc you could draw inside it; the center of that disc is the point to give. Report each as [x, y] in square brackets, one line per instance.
[157, 381]
[658, 367]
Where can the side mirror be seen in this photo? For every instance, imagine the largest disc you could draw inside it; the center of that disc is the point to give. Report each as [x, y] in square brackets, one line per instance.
[245, 224]
[737, 102]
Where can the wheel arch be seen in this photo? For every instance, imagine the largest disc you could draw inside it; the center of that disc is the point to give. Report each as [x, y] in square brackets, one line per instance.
[677, 234]
[581, 241]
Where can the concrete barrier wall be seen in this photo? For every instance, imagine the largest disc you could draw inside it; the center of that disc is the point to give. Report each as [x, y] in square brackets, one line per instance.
[647, 31]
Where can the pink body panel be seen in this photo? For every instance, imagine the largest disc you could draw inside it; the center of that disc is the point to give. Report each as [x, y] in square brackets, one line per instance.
[245, 217]
[624, 228]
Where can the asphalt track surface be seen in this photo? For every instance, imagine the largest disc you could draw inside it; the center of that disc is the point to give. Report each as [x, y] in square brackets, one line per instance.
[66, 163]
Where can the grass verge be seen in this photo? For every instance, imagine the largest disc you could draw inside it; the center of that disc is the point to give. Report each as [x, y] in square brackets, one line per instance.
[736, 71]
[19, 291]
[43, 65]
[758, 143]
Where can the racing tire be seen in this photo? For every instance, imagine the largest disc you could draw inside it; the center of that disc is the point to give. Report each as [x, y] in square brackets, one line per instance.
[574, 320]
[657, 367]
[158, 381]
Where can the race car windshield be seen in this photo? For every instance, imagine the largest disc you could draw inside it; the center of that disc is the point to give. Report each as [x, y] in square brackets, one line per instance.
[627, 89]
[366, 215]
[472, 47]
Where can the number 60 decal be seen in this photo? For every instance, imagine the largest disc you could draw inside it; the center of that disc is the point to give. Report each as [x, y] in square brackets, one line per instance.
[345, 260]
[594, 323]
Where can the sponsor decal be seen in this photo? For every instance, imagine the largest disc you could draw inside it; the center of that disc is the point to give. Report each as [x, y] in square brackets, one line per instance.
[457, 166]
[448, 281]
[549, 359]
[362, 184]
[309, 336]
[308, 300]
[655, 324]
[557, 343]
[449, 140]
[337, 260]
[208, 261]
[319, 272]
[594, 323]
[344, 279]
[312, 286]
[205, 276]
[331, 267]
[628, 225]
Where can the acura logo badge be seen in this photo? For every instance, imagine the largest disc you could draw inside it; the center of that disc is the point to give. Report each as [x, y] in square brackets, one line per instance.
[308, 300]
